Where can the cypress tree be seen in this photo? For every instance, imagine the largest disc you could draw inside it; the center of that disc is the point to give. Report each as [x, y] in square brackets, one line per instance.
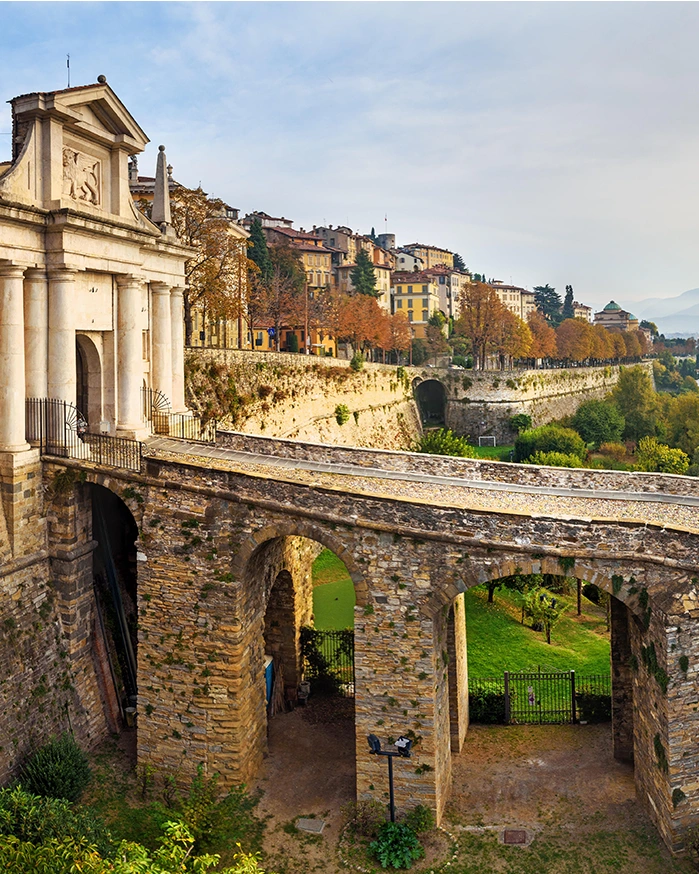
[258, 252]
[363, 275]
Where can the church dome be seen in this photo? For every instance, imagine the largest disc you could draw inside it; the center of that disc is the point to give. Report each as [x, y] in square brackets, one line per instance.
[612, 306]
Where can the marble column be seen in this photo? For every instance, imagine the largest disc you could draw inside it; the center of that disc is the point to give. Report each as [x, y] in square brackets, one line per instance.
[161, 364]
[12, 428]
[62, 379]
[129, 353]
[36, 332]
[177, 321]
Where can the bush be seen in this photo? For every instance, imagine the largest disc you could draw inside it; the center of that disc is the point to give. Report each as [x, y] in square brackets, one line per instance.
[549, 438]
[593, 708]
[365, 818]
[420, 819]
[598, 422]
[357, 362]
[444, 442]
[460, 360]
[617, 451]
[654, 456]
[342, 414]
[396, 846]
[487, 708]
[520, 422]
[554, 459]
[420, 352]
[59, 769]
[292, 343]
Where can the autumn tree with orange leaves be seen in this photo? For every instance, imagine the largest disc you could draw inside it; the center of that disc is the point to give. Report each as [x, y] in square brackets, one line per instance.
[543, 336]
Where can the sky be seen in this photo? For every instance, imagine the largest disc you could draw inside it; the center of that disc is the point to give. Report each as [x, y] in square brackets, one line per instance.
[545, 142]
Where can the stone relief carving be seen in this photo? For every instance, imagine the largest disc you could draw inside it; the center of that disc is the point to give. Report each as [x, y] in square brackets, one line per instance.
[81, 177]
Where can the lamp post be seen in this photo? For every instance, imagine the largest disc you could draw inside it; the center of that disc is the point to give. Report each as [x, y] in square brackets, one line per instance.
[402, 749]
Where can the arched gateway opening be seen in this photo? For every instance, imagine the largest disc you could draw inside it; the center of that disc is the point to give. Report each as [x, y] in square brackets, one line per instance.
[431, 397]
[306, 604]
[115, 579]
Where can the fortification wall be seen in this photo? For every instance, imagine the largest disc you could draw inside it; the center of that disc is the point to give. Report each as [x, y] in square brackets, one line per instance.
[286, 395]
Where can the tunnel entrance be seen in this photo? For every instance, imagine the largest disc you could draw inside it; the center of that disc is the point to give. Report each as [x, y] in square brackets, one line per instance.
[431, 399]
[115, 581]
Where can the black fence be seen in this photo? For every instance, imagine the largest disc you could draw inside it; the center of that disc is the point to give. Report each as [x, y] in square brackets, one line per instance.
[328, 661]
[540, 697]
[58, 428]
[183, 426]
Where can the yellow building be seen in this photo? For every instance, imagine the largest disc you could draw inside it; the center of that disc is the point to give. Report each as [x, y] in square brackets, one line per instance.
[417, 295]
[430, 256]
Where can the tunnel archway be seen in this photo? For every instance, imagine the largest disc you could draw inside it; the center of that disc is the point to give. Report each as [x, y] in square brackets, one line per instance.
[431, 397]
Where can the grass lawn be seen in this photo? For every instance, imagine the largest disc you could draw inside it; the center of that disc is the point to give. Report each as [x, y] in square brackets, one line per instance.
[333, 593]
[497, 641]
[495, 453]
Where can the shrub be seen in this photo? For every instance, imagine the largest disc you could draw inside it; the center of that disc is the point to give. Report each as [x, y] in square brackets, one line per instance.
[549, 438]
[59, 769]
[460, 360]
[554, 459]
[444, 442]
[420, 352]
[365, 818]
[396, 846]
[292, 343]
[654, 456]
[487, 708]
[357, 362]
[420, 819]
[520, 422]
[592, 707]
[617, 451]
[342, 414]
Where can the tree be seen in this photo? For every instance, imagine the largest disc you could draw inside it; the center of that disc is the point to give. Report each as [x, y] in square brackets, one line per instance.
[650, 326]
[633, 347]
[549, 302]
[602, 347]
[515, 338]
[259, 252]
[634, 397]
[357, 316]
[543, 336]
[363, 275]
[574, 340]
[400, 333]
[549, 438]
[654, 456]
[284, 299]
[459, 263]
[482, 314]
[598, 422]
[568, 311]
[683, 422]
[544, 610]
[434, 335]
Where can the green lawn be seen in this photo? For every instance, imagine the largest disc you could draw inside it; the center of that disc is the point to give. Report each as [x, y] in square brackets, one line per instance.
[497, 641]
[496, 453]
[333, 593]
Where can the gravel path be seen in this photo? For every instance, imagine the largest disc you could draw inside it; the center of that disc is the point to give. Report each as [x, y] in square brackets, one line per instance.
[669, 511]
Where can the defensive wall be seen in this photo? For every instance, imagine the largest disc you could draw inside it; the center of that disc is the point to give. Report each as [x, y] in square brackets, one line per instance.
[225, 545]
[294, 396]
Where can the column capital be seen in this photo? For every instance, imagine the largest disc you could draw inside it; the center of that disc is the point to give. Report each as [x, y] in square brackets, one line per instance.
[158, 287]
[36, 273]
[11, 271]
[62, 274]
[177, 290]
[129, 280]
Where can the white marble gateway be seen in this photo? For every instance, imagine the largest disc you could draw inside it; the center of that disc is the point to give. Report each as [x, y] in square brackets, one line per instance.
[90, 289]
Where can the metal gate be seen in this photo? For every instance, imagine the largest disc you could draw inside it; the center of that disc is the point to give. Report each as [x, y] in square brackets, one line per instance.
[540, 697]
[328, 660]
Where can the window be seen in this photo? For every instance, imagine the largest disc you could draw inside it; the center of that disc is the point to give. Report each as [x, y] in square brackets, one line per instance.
[410, 289]
[425, 315]
[425, 301]
[399, 304]
[441, 280]
[410, 303]
[424, 289]
[410, 316]
[258, 339]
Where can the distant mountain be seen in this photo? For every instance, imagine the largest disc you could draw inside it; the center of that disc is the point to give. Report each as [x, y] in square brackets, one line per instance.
[672, 315]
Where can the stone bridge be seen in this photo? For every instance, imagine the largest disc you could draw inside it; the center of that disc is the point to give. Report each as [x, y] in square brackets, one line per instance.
[226, 537]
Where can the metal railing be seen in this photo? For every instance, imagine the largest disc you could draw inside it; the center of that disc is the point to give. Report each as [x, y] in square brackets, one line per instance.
[59, 429]
[540, 697]
[183, 426]
[328, 660]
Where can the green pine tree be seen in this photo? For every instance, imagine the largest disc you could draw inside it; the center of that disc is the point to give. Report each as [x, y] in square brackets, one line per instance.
[258, 252]
[363, 275]
[568, 310]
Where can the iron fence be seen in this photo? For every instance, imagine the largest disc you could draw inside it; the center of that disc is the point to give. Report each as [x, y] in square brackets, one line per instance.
[540, 697]
[328, 660]
[59, 429]
[183, 426]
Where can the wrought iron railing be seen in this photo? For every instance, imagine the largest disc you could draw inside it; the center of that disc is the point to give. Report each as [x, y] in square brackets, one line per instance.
[59, 429]
[328, 660]
[183, 426]
[540, 697]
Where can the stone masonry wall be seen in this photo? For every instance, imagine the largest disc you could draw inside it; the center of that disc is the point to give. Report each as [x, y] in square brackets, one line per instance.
[296, 396]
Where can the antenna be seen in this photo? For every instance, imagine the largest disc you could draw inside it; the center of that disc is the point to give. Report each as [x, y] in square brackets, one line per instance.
[68, 66]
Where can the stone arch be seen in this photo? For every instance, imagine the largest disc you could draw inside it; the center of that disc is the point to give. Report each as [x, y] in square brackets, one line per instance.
[90, 399]
[431, 398]
[301, 528]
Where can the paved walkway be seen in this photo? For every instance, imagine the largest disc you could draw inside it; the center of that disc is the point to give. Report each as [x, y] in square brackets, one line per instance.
[679, 512]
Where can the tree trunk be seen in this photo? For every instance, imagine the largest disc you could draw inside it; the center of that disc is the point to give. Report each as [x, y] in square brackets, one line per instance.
[491, 591]
[187, 320]
[579, 597]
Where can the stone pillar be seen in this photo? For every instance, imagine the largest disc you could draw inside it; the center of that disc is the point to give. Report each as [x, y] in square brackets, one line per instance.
[12, 428]
[62, 380]
[622, 682]
[458, 673]
[129, 354]
[162, 352]
[177, 320]
[36, 332]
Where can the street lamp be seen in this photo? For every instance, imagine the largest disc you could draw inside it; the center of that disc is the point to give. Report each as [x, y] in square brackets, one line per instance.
[402, 749]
